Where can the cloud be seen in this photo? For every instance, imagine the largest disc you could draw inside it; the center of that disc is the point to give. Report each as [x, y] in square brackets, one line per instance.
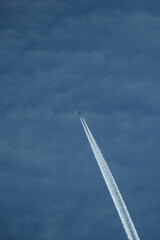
[57, 58]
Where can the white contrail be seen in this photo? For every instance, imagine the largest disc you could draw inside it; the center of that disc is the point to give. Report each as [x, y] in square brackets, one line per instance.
[112, 186]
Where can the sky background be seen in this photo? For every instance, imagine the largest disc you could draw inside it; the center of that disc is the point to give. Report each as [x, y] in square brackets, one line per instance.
[59, 57]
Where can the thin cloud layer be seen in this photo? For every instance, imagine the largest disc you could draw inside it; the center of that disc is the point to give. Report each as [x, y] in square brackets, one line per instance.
[57, 58]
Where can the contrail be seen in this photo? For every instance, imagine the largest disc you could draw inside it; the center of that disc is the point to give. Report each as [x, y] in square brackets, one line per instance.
[112, 186]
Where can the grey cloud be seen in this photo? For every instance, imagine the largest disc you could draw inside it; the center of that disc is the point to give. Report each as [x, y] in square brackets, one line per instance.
[57, 58]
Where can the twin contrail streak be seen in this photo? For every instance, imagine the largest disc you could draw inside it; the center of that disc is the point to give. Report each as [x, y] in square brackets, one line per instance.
[112, 186]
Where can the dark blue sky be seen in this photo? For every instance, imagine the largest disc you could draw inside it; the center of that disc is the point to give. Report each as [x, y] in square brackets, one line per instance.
[59, 57]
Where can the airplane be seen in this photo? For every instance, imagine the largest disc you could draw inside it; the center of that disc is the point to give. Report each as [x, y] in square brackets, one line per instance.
[79, 113]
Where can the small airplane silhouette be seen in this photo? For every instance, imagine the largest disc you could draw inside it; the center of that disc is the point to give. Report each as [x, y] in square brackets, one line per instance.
[79, 113]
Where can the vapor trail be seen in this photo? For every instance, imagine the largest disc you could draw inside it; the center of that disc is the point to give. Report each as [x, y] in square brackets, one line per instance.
[112, 186]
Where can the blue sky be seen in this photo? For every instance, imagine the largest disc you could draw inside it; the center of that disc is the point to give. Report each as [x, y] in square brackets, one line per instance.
[59, 57]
